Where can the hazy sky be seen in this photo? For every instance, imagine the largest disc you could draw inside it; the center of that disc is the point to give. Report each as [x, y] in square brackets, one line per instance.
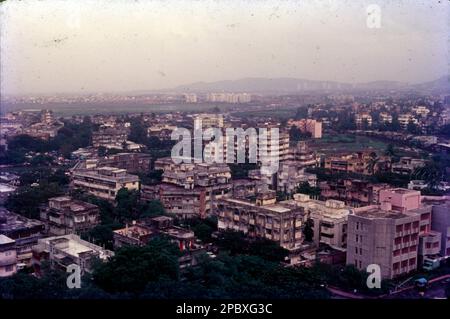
[107, 46]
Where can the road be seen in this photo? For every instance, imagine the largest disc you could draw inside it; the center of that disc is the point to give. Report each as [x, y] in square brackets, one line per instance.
[436, 290]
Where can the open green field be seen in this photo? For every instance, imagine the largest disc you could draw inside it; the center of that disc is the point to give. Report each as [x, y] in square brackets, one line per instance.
[341, 143]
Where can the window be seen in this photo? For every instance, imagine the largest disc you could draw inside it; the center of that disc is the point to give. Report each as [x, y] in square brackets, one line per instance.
[357, 238]
[356, 250]
[360, 251]
[357, 225]
[9, 268]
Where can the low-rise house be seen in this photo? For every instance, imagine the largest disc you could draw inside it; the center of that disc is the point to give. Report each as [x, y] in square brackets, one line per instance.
[63, 251]
[141, 232]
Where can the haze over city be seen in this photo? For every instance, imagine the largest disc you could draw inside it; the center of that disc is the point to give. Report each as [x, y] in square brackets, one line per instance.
[76, 47]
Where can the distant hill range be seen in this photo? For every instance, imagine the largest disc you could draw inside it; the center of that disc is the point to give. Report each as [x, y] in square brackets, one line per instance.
[294, 85]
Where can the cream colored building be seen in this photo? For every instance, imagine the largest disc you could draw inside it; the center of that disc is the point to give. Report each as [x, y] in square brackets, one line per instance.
[329, 217]
[104, 182]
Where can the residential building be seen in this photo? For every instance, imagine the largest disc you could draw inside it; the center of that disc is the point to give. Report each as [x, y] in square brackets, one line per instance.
[405, 119]
[329, 218]
[354, 192]
[407, 165]
[311, 126]
[141, 232]
[440, 222]
[63, 251]
[8, 256]
[366, 163]
[229, 97]
[42, 130]
[163, 131]
[263, 218]
[104, 182]
[190, 97]
[135, 234]
[64, 215]
[303, 155]
[204, 121]
[385, 237]
[132, 162]
[421, 110]
[24, 231]
[362, 119]
[385, 117]
[291, 175]
[109, 138]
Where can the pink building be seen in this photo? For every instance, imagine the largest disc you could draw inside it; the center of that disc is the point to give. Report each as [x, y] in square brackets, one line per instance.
[401, 199]
[308, 125]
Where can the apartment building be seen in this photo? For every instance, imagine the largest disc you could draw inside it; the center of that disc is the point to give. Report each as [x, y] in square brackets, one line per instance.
[379, 235]
[421, 110]
[163, 131]
[398, 234]
[362, 119]
[24, 231]
[303, 155]
[229, 97]
[109, 138]
[8, 256]
[263, 218]
[353, 192]
[440, 222]
[191, 175]
[385, 117]
[407, 165]
[329, 217]
[246, 188]
[291, 175]
[132, 162]
[104, 182]
[43, 131]
[204, 121]
[405, 119]
[311, 126]
[360, 162]
[189, 189]
[64, 215]
[190, 98]
[62, 251]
